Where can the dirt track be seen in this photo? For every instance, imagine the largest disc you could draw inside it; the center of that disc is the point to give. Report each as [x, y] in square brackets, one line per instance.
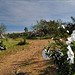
[27, 62]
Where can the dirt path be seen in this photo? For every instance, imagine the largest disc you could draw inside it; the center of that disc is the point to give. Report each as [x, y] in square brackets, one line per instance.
[27, 62]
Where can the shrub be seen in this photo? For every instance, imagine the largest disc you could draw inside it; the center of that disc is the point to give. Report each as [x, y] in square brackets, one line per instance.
[60, 57]
[22, 42]
[2, 47]
[18, 35]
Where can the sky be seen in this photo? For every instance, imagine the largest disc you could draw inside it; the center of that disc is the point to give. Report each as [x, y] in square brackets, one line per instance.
[18, 14]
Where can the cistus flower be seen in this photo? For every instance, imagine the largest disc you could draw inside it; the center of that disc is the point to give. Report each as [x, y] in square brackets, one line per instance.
[69, 41]
[45, 50]
[67, 31]
[45, 56]
[70, 55]
[57, 54]
[73, 35]
[58, 27]
[63, 26]
[52, 38]
[60, 39]
[59, 51]
[46, 53]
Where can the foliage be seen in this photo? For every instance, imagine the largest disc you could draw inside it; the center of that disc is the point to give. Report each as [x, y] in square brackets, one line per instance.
[6, 38]
[51, 28]
[47, 27]
[60, 57]
[26, 29]
[18, 35]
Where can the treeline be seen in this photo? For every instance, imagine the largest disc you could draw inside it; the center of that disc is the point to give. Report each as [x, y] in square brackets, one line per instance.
[18, 35]
[50, 28]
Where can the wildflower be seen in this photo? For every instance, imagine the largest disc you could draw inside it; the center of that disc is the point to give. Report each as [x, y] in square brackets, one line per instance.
[60, 39]
[73, 35]
[45, 50]
[46, 57]
[63, 26]
[58, 27]
[67, 31]
[52, 38]
[48, 51]
[2, 47]
[59, 51]
[70, 55]
[61, 54]
[69, 41]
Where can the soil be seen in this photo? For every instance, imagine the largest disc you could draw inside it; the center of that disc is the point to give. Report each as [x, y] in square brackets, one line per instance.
[29, 61]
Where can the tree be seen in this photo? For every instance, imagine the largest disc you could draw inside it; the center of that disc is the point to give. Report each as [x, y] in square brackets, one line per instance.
[49, 27]
[26, 29]
[2, 28]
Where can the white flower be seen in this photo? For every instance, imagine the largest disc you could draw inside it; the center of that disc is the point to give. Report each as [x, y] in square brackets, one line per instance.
[60, 39]
[58, 27]
[61, 54]
[45, 50]
[69, 41]
[48, 51]
[73, 35]
[2, 47]
[46, 57]
[67, 31]
[63, 26]
[70, 55]
[52, 38]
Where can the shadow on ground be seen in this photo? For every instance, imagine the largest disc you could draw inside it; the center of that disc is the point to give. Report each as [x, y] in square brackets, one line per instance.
[48, 71]
[24, 63]
[26, 73]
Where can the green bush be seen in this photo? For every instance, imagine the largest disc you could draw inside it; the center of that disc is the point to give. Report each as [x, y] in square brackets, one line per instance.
[64, 68]
[22, 42]
[18, 35]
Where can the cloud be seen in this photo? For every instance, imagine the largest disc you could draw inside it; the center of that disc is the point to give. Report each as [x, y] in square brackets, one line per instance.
[26, 12]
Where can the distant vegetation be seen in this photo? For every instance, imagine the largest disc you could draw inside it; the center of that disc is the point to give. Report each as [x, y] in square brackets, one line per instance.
[18, 35]
[46, 29]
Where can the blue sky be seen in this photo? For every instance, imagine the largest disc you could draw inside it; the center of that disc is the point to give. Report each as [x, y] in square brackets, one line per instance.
[18, 14]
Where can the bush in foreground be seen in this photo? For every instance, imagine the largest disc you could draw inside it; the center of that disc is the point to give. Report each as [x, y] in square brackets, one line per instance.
[60, 56]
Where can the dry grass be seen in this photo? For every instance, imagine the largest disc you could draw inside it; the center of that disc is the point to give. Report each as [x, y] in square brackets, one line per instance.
[12, 47]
